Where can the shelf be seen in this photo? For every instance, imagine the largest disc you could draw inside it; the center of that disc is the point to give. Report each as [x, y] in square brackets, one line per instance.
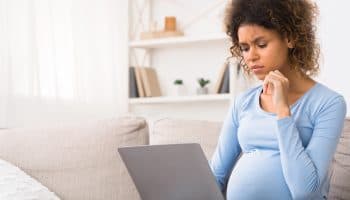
[181, 99]
[176, 41]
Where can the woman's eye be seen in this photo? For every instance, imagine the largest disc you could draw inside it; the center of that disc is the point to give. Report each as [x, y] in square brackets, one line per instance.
[262, 45]
[243, 49]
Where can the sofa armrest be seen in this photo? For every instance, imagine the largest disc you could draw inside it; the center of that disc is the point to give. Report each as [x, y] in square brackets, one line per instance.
[77, 161]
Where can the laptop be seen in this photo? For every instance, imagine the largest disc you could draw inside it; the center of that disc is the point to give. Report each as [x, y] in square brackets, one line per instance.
[171, 172]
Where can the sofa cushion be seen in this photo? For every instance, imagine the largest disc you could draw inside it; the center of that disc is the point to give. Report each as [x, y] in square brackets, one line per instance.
[171, 131]
[77, 162]
[340, 175]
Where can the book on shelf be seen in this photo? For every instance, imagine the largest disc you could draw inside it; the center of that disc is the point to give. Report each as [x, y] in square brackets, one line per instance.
[139, 84]
[225, 87]
[133, 93]
[143, 82]
[150, 82]
[222, 84]
[221, 77]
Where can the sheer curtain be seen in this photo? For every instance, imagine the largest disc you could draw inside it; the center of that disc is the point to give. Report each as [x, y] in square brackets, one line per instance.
[62, 60]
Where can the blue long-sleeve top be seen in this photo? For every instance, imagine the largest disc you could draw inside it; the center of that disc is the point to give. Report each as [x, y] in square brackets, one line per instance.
[259, 156]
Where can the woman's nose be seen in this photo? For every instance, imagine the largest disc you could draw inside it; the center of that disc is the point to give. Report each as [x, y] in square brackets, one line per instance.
[252, 55]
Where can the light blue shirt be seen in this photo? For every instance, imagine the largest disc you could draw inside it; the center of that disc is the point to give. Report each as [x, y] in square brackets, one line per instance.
[261, 157]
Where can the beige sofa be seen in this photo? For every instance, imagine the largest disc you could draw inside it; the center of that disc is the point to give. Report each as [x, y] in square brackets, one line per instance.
[80, 162]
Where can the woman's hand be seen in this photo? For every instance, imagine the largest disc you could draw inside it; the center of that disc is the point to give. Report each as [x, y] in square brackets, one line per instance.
[278, 84]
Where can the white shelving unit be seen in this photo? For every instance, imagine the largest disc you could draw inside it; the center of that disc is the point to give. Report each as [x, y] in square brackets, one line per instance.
[199, 53]
[177, 41]
[182, 99]
[173, 42]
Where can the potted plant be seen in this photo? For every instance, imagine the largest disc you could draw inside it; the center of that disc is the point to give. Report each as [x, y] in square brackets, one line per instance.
[180, 88]
[202, 83]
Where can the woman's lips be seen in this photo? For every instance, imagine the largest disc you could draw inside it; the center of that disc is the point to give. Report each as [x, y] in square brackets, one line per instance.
[257, 68]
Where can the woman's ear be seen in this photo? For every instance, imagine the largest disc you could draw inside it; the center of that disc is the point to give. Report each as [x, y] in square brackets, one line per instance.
[290, 43]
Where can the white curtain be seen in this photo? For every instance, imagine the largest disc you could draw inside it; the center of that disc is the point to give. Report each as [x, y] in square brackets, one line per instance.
[62, 60]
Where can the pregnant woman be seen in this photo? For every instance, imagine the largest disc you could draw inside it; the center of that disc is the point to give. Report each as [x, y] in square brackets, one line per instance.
[278, 139]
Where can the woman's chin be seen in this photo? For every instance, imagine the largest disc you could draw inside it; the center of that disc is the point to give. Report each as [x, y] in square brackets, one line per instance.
[260, 76]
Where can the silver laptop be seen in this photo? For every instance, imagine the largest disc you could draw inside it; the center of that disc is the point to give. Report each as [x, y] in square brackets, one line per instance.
[171, 172]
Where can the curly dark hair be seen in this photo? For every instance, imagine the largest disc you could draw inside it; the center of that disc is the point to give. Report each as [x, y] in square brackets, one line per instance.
[293, 19]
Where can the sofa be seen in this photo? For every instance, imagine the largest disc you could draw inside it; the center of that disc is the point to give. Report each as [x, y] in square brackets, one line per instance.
[80, 161]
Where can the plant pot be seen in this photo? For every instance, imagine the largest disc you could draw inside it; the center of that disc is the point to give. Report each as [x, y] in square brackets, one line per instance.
[202, 90]
[180, 90]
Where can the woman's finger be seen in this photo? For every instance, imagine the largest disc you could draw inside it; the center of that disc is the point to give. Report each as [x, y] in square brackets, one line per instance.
[272, 80]
[278, 74]
[265, 84]
[280, 77]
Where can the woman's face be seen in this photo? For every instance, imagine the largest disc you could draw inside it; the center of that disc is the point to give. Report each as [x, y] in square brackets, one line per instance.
[263, 50]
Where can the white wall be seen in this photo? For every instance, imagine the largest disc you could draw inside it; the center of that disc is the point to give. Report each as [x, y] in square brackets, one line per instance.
[334, 33]
[212, 111]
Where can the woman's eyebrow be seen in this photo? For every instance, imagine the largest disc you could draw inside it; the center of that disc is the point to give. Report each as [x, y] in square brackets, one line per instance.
[255, 40]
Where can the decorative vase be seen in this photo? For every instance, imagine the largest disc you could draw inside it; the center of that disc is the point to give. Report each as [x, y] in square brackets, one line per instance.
[180, 90]
[202, 90]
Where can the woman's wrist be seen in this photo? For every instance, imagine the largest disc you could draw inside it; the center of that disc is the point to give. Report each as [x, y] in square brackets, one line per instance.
[283, 112]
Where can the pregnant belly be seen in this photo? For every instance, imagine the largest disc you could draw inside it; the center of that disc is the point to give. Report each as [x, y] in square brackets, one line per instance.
[258, 175]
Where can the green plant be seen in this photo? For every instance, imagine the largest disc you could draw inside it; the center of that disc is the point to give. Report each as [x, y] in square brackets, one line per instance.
[178, 82]
[203, 82]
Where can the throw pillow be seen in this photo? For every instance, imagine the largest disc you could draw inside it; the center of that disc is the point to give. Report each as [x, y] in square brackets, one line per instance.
[16, 184]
